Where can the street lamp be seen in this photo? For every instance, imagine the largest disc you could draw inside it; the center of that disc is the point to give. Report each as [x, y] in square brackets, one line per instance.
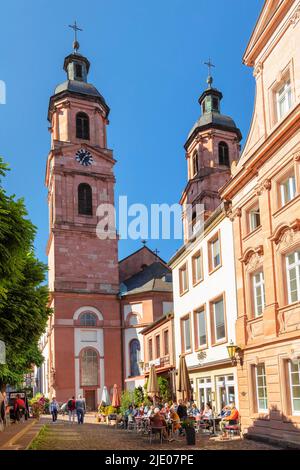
[141, 366]
[233, 350]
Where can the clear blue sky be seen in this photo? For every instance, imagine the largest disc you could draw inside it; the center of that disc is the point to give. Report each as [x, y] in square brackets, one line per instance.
[147, 60]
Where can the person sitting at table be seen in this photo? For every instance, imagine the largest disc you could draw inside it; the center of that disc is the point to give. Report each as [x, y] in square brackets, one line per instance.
[207, 412]
[165, 411]
[146, 408]
[135, 411]
[128, 416]
[189, 408]
[231, 419]
[150, 411]
[174, 405]
[195, 411]
[225, 411]
[206, 416]
[157, 421]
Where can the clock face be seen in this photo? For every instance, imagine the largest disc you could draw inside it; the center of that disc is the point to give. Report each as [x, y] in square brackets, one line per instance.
[84, 157]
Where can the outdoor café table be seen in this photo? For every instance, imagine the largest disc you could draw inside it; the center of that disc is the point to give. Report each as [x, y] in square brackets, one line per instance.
[143, 425]
[157, 428]
[139, 423]
[214, 420]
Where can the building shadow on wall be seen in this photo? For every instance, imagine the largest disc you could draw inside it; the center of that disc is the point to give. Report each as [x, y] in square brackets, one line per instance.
[275, 428]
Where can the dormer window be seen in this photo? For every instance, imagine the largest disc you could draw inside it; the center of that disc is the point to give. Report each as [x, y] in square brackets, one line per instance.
[223, 154]
[78, 71]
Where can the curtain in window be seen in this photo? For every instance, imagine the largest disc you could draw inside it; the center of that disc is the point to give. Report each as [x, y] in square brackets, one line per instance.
[134, 357]
[89, 368]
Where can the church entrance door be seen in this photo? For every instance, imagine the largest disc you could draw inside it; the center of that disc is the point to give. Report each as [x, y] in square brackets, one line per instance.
[90, 399]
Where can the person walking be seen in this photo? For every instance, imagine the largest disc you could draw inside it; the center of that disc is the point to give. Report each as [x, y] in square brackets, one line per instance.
[54, 409]
[71, 407]
[80, 409]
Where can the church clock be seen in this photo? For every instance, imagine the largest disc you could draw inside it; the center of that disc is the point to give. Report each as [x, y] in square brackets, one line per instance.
[84, 157]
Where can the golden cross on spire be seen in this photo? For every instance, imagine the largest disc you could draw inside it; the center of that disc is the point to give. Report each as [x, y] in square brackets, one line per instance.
[209, 65]
[75, 28]
[209, 78]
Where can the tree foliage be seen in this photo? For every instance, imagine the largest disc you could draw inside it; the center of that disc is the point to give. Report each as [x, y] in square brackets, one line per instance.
[23, 299]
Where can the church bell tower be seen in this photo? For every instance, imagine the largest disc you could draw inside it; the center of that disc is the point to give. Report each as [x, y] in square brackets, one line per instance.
[85, 332]
[212, 146]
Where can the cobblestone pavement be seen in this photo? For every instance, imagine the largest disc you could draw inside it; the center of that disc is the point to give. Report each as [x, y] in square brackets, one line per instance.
[18, 436]
[94, 436]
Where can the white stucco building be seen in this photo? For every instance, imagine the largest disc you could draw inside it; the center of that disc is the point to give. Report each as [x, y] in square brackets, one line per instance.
[205, 311]
[204, 290]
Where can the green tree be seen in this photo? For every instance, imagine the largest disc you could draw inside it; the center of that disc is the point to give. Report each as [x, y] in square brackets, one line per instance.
[164, 388]
[127, 399]
[138, 396]
[23, 299]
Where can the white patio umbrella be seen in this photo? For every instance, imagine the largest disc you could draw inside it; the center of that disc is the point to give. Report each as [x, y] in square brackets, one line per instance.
[105, 399]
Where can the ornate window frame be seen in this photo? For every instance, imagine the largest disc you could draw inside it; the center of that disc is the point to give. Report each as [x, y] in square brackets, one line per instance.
[286, 238]
[253, 261]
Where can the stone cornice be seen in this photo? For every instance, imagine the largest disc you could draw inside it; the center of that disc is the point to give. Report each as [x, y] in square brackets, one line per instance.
[267, 149]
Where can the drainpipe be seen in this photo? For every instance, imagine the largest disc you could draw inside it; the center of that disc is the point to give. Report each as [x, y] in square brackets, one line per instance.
[122, 342]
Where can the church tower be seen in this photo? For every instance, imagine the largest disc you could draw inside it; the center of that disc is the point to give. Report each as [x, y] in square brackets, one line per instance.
[85, 330]
[213, 145]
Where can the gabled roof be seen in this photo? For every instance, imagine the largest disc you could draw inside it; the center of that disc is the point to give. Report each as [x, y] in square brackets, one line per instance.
[138, 251]
[156, 277]
[271, 14]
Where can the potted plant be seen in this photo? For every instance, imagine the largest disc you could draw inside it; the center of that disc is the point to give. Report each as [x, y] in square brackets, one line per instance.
[111, 414]
[189, 425]
[101, 414]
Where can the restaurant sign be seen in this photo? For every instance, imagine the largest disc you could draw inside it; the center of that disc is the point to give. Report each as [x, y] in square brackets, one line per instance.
[155, 362]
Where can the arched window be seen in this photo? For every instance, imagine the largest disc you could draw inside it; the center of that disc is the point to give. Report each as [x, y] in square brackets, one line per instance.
[82, 126]
[195, 164]
[85, 203]
[134, 349]
[88, 319]
[223, 154]
[89, 367]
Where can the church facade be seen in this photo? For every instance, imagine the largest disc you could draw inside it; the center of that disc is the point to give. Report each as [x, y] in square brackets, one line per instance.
[92, 337]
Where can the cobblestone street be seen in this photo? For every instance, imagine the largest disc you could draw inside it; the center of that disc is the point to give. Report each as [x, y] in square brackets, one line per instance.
[94, 436]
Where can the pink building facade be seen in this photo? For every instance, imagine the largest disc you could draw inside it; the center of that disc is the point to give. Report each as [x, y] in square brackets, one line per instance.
[263, 197]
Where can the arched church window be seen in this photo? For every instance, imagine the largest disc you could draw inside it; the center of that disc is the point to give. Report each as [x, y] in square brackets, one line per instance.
[195, 164]
[134, 349]
[89, 367]
[88, 319]
[82, 126]
[85, 203]
[223, 154]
